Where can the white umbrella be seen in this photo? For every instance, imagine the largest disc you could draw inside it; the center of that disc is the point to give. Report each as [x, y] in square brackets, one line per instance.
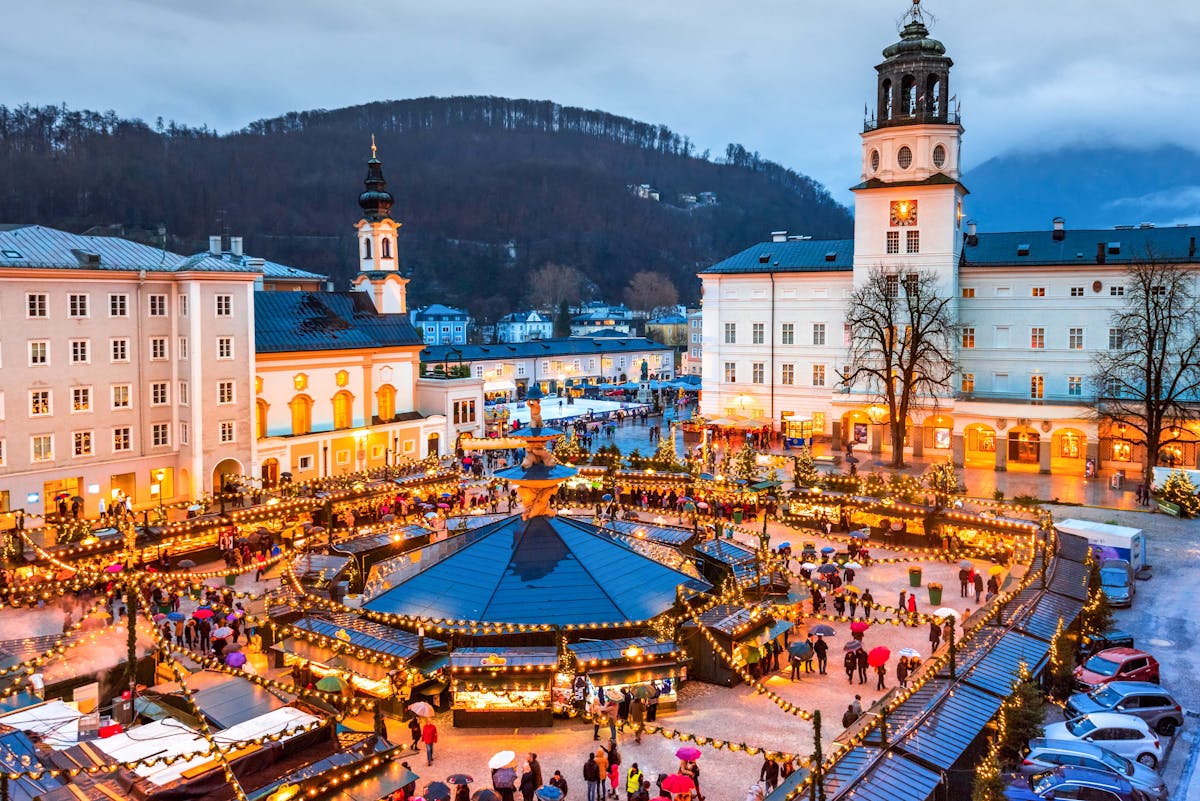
[421, 709]
[909, 653]
[808, 566]
[853, 565]
[946, 611]
[502, 759]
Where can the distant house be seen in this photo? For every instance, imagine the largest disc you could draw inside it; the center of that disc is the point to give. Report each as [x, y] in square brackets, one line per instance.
[707, 198]
[441, 325]
[591, 323]
[644, 191]
[692, 357]
[524, 326]
[669, 329]
[687, 199]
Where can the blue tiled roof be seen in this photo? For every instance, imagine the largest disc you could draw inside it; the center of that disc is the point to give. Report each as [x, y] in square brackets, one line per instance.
[438, 311]
[538, 348]
[39, 246]
[303, 321]
[954, 724]
[270, 269]
[1175, 244]
[806, 255]
[668, 319]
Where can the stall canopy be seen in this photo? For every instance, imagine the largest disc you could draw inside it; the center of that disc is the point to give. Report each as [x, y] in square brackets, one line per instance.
[517, 657]
[734, 621]
[358, 635]
[224, 700]
[648, 648]
[313, 566]
[53, 721]
[379, 539]
[18, 755]
[549, 570]
[665, 535]
[726, 552]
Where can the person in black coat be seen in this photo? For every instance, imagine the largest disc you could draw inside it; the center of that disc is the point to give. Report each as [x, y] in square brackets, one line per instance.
[822, 650]
[861, 662]
[769, 773]
[527, 787]
[850, 663]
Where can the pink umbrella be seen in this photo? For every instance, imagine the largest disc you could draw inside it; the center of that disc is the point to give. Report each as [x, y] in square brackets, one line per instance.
[688, 753]
[859, 626]
[115, 567]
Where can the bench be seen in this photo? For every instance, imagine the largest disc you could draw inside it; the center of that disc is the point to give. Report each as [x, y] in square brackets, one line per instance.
[827, 459]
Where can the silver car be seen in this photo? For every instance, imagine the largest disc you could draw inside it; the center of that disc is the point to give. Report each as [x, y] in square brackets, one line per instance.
[1045, 754]
[1142, 699]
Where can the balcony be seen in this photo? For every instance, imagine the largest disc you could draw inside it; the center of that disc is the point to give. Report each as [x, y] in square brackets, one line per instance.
[919, 118]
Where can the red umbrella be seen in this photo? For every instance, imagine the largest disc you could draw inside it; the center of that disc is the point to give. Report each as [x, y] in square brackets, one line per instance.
[678, 783]
[859, 626]
[202, 613]
[878, 656]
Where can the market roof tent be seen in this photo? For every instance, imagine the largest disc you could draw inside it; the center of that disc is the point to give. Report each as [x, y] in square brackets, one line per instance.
[547, 570]
[17, 755]
[224, 700]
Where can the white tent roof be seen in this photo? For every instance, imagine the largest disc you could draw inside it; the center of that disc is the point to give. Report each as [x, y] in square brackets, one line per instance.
[57, 722]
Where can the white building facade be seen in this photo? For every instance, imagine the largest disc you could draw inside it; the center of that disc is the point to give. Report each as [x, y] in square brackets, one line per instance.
[524, 326]
[1032, 308]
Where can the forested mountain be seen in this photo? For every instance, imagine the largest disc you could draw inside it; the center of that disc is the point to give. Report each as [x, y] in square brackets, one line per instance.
[488, 189]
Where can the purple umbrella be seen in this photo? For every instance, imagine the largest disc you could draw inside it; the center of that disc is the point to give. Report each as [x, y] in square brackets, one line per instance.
[235, 659]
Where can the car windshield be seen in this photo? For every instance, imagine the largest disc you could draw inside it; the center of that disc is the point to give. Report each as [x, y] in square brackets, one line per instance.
[1105, 667]
[1116, 763]
[1106, 697]
[1113, 578]
[1080, 726]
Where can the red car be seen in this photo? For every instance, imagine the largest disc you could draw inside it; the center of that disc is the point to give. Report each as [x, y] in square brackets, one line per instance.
[1116, 664]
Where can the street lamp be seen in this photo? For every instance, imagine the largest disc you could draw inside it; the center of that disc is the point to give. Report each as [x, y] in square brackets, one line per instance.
[160, 476]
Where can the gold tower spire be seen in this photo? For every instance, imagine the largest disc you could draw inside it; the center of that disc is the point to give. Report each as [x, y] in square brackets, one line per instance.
[373, 146]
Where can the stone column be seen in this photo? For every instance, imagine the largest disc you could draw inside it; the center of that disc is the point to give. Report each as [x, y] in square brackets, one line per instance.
[1001, 452]
[875, 437]
[1044, 456]
[836, 444]
[917, 435]
[958, 451]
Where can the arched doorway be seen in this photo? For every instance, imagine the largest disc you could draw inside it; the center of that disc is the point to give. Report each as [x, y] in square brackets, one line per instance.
[231, 468]
[270, 472]
[979, 445]
[855, 427]
[1023, 444]
[433, 445]
[1068, 451]
[938, 431]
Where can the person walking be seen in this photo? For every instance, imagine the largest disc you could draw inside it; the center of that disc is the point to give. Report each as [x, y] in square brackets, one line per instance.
[978, 586]
[795, 662]
[964, 576]
[535, 768]
[768, 774]
[853, 603]
[935, 636]
[849, 662]
[591, 775]
[881, 671]
[652, 702]
[526, 785]
[637, 716]
[821, 648]
[902, 604]
[429, 736]
[912, 609]
[861, 661]
[614, 778]
[414, 729]
[902, 672]
[868, 603]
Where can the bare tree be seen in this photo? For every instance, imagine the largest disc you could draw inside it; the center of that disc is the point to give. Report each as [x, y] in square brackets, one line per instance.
[551, 284]
[1149, 378]
[649, 290]
[901, 344]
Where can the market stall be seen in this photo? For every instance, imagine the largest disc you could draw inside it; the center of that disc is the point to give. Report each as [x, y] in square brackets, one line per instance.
[502, 687]
[739, 633]
[720, 559]
[377, 544]
[646, 667]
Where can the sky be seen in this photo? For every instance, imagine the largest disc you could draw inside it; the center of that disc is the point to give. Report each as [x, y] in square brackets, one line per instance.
[788, 78]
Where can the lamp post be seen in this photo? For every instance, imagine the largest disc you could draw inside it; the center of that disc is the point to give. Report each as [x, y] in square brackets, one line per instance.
[160, 475]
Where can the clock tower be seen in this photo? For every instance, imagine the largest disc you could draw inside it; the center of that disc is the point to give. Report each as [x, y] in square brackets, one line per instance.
[378, 259]
[908, 207]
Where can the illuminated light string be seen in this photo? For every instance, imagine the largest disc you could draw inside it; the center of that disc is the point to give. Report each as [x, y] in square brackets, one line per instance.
[698, 739]
[33, 666]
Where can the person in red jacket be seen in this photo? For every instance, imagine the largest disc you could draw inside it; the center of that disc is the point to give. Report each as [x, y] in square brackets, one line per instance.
[429, 737]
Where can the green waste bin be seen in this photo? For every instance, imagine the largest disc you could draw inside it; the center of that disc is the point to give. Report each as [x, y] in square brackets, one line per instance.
[737, 516]
[935, 594]
[914, 576]
[231, 579]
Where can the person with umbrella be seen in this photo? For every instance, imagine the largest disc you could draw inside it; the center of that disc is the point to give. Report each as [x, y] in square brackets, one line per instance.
[978, 585]
[935, 636]
[902, 671]
[557, 781]
[637, 716]
[821, 649]
[964, 576]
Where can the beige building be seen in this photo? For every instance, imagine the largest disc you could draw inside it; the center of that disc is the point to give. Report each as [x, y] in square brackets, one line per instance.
[125, 369]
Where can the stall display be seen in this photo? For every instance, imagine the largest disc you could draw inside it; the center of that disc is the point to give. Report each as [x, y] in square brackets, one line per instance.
[502, 687]
[742, 633]
[643, 666]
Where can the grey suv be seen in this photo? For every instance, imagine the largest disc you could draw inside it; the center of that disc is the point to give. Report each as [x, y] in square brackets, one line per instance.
[1142, 699]
[1045, 754]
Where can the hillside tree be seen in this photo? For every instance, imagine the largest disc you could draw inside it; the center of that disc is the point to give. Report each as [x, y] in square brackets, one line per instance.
[1149, 377]
[901, 344]
[562, 320]
[553, 284]
[648, 290]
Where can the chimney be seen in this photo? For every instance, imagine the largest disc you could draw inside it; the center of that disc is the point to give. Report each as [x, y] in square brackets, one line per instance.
[214, 245]
[972, 237]
[235, 245]
[779, 236]
[1100, 254]
[1060, 229]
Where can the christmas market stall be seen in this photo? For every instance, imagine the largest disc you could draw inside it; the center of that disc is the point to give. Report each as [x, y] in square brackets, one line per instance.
[646, 667]
[720, 560]
[324, 575]
[374, 546]
[502, 687]
[726, 632]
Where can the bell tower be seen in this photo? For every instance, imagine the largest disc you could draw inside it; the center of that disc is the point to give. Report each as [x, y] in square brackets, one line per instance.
[908, 207]
[378, 257]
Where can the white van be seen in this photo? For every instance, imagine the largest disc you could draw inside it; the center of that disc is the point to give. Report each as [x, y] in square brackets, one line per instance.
[1108, 541]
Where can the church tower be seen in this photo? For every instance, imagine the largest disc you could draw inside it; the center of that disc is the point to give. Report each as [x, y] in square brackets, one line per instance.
[378, 257]
[908, 208]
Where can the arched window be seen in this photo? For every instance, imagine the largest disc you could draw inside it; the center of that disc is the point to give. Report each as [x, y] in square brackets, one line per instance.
[933, 95]
[385, 402]
[366, 248]
[908, 94]
[885, 100]
[301, 407]
[260, 419]
[343, 410]
[387, 247]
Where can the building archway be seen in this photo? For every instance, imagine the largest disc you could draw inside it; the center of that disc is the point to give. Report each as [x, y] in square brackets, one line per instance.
[1068, 451]
[301, 407]
[1023, 444]
[855, 427]
[937, 432]
[269, 473]
[260, 418]
[979, 445]
[343, 410]
[433, 445]
[226, 468]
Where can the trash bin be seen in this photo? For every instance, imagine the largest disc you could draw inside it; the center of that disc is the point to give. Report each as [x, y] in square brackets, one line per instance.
[737, 516]
[231, 579]
[935, 593]
[914, 577]
[1118, 479]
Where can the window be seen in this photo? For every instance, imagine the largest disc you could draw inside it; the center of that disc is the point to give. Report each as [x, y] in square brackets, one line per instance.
[730, 333]
[464, 411]
[81, 399]
[183, 306]
[183, 433]
[39, 353]
[818, 375]
[756, 334]
[77, 305]
[80, 351]
[41, 447]
[912, 242]
[912, 285]
[35, 305]
[118, 305]
[1116, 339]
[1077, 292]
[224, 347]
[968, 338]
[892, 286]
[119, 349]
[756, 373]
[1075, 386]
[121, 441]
[158, 393]
[731, 372]
[1075, 339]
[1157, 291]
[788, 334]
[1037, 385]
[968, 382]
[183, 348]
[301, 406]
[968, 291]
[520, 369]
[1037, 338]
[81, 443]
[306, 462]
[343, 408]
[893, 241]
[1116, 291]
[121, 396]
[939, 156]
[226, 431]
[39, 403]
[184, 395]
[160, 434]
[225, 394]
[788, 375]
[158, 348]
[1038, 292]
[224, 305]
[158, 305]
[1112, 388]
[818, 333]
[904, 157]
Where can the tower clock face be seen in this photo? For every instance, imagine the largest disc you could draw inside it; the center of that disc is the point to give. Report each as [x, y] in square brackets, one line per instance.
[904, 212]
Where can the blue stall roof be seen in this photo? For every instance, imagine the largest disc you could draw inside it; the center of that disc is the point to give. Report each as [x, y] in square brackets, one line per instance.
[1072, 546]
[998, 669]
[1043, 621]
[1070, 579]
[547, 570]
[892, 779]
[17, 754]
[613, 650]
[366, 634]
[944, 735]
[725, 551]
[733, 620]
[666, 535]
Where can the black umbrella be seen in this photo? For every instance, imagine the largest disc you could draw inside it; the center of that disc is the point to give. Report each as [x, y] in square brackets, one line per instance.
[852, 645]
[437, 791]
[827, 568]
[485, 795]
[822, 630]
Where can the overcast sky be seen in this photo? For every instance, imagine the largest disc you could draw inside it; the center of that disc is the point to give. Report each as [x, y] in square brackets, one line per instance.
[785, 77]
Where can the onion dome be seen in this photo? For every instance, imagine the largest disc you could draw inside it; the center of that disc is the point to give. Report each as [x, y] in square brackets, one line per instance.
[376, 202]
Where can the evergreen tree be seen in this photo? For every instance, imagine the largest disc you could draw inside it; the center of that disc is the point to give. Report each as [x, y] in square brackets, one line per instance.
[1020, 718]
[804, 469]
[567, 449]
[989, 784]
[664, 455]
[942, 478]
[562, 321]
[743, 465]
[1096, 617]
[1060, 681]
[1179, 490]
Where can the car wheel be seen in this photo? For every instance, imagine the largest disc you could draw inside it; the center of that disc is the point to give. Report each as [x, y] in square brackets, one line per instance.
[1166, 727]
[1149, 760]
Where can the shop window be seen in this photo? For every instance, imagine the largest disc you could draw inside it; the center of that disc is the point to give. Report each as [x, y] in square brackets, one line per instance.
[1070, 445]
[1122, 452]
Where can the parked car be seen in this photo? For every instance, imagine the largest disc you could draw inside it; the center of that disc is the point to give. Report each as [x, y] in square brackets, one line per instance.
[1116, 579]
[1122, 734]
[1116, 664]
[1045, 754]
[1076, 782]
[1091, 644]
[1147, 701]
